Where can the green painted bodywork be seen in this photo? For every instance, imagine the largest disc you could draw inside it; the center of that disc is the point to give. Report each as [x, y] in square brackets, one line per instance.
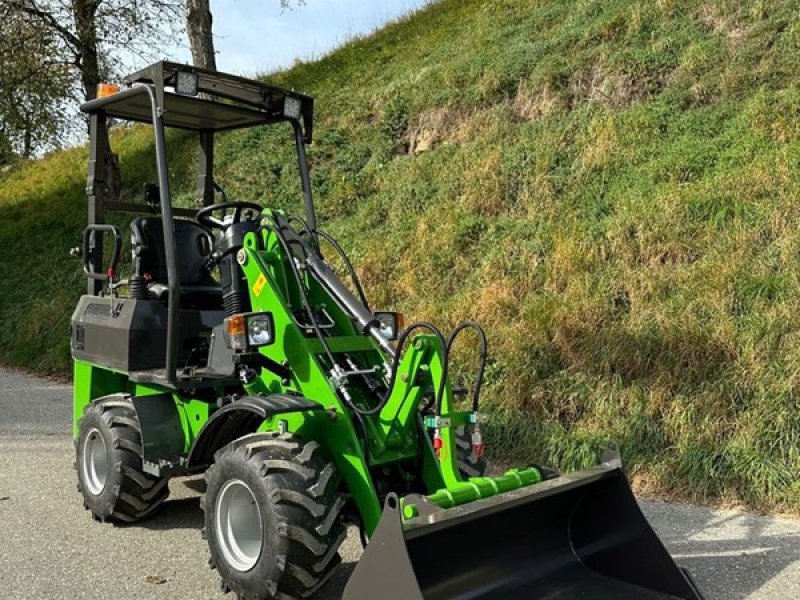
[93, 381]
[397, 438]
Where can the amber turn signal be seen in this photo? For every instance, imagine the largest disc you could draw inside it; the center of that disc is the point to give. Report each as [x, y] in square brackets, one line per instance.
[106, 89]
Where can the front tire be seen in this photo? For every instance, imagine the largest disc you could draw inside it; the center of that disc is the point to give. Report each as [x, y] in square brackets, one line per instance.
[108, 459]
[272, 517]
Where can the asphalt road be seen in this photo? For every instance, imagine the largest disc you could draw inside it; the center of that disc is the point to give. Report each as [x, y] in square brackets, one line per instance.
[50, 547]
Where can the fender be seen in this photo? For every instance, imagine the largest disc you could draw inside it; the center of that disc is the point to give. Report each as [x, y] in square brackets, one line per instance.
[162, 435]
[161, 443]
[239, 418]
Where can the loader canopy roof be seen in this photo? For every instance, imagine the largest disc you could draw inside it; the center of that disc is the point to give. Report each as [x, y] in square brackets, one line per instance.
[210, 101]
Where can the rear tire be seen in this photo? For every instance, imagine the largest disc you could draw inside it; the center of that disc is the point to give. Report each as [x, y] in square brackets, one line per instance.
[468, 464]
[110, 475]
[272, 517]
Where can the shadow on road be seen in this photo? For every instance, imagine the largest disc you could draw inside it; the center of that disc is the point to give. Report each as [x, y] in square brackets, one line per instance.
[731, 555]
[179, 513]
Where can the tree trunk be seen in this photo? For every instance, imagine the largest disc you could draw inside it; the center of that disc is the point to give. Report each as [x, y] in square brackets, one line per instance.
[84, 12]
[198, 29]
[27, 146]
[5, 148]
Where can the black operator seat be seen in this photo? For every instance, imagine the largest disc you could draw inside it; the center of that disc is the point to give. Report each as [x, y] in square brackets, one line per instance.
[193, 244]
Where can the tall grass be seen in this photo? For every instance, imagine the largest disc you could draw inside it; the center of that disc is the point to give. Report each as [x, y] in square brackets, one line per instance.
[610, 187]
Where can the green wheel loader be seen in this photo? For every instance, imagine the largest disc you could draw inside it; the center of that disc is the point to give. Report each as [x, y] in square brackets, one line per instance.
[230, 347]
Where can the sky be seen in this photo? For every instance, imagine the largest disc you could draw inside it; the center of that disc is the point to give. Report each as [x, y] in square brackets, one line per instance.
[258, 36]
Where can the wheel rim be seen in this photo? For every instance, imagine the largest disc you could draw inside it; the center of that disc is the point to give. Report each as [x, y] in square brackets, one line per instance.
[95, 462]
[238, 524]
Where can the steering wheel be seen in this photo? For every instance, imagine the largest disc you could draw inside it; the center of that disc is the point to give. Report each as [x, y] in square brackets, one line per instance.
[204, 214]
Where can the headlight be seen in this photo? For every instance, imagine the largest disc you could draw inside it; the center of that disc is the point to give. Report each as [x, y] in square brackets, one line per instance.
[391, 324]
[249, 330]
[260, 329]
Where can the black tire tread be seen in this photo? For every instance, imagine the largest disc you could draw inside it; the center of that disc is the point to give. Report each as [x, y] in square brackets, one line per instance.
[467, 465]
[139, 494]
[304, 493]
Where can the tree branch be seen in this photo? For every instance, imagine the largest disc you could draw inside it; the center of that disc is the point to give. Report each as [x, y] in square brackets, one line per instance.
[30, 7]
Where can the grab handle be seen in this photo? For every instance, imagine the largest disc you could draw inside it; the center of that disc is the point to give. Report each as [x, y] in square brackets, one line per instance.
[88, 253]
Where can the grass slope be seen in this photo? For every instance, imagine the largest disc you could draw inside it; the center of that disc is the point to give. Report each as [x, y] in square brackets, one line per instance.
[609, 187]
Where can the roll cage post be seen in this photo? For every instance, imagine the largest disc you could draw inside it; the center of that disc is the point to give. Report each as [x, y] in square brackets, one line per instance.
[308, 198]
[97, 193]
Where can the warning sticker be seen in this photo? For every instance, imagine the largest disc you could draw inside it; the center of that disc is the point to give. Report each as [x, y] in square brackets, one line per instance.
[259, 284]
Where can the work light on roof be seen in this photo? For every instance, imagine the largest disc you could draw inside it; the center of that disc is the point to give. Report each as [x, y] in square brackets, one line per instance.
[292, 107]
[186, 83]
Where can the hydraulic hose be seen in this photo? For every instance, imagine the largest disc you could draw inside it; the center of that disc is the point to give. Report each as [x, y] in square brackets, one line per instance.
[476, 388]
[298, 280]
[396, 364]
[302, 221]
[355, 307]
[351, 270]
[340, 251]
[400, 342]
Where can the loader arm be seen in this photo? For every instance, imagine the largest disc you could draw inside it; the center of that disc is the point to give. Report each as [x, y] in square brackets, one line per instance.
[388, 437]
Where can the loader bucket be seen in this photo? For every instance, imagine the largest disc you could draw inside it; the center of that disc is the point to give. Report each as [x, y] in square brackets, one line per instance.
[580, 536]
